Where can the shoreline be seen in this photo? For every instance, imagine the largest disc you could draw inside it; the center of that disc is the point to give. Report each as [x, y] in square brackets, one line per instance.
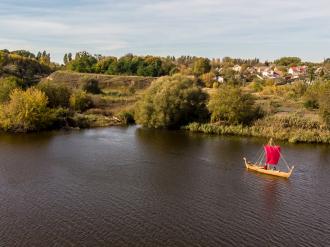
[291, 135]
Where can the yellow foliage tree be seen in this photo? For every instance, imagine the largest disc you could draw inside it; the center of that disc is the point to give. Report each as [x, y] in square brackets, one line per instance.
[25, 111]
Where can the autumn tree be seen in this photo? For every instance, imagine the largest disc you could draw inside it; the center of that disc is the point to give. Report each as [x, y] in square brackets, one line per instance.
[171, 102]
[25, 111]
[230, 105]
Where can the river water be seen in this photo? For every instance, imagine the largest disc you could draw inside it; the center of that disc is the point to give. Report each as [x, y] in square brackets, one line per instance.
[138, 187]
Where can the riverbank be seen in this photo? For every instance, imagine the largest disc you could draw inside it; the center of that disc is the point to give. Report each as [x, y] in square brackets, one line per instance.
[293, 129]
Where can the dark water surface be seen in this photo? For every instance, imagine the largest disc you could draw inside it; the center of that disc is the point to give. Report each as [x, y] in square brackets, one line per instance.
[136, 187]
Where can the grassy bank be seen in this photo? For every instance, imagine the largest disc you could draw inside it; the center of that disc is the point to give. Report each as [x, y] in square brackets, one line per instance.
[293, 129]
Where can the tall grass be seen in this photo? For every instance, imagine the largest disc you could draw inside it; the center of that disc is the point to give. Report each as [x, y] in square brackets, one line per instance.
[287, 128]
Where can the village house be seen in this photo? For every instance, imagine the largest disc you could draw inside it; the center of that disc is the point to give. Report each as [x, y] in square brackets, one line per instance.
[252, 70]
[319, 70]
[278, 71]
[297, 71]
[267, 73]
[237, 68]
[260, 69]
[219, 79]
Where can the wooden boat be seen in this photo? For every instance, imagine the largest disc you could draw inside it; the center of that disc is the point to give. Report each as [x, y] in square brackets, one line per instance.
[261, 169]
[272, 157]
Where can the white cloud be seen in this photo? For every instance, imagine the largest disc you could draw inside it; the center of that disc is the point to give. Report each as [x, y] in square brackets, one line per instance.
[204, 27]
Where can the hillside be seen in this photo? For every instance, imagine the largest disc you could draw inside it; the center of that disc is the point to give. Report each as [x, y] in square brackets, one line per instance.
[24, 65]
[118, 94]
[75, 79]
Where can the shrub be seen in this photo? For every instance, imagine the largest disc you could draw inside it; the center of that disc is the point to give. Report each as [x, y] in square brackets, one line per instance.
[80, 101]
[201, 66]
[91, 86]
[58, 95]
[256, 86]
[208, 79]
[233, 106]
[324, 103]
[216, 85]
[296, 90]
[171, 102]
[25, 111]
[127, 117]
[6, 86]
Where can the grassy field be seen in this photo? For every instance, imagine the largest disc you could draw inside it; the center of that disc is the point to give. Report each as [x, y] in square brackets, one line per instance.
[74, 80]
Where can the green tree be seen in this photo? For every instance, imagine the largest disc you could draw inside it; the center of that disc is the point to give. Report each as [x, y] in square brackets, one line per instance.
[65, 59]
[7, 85]
[231, 105]
[231, 77]
[91, 86]
[171, 102]
[288, 61]
[58, 95]
[83, 62]
[45, 58]
[311, 73]
[69, 57]
[106, 65]
[201, 66]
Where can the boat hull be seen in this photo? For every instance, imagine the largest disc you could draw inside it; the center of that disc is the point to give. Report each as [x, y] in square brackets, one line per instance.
[260, 169]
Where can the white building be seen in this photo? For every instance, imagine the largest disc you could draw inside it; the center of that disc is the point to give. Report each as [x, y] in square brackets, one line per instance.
[237, 68]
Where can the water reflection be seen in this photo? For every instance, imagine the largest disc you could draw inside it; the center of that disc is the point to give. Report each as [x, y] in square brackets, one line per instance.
[133, 186]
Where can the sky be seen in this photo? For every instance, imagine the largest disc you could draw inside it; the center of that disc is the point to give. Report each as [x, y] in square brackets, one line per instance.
[266, 29]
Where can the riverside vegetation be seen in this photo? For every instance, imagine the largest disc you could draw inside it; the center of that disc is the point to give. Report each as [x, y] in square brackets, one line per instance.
[157, 92]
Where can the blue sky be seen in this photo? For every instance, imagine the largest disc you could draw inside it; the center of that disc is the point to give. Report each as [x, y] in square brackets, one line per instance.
[266, 29]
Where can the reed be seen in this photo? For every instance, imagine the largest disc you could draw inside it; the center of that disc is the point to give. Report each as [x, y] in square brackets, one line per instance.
[293, 129]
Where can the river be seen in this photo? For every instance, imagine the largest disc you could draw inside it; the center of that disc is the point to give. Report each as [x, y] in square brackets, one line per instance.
[137, 187]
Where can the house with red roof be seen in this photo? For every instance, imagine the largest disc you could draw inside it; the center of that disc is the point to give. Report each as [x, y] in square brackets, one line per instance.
[297, 71]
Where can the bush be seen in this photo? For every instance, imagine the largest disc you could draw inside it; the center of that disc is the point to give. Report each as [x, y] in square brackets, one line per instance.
[216, 85]
[201, 66]
[232, 106]
[312, 95]
[80, 101]
[208, 79]
[127, 117]
[171, 102]
[91, 86]
[324, 103]
[25, 111]
[58, 95]
[256, 86]
[6, 86]
[318, 96]
[296, 90]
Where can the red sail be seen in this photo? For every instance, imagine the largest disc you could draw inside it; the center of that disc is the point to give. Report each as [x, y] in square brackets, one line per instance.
[273, 154]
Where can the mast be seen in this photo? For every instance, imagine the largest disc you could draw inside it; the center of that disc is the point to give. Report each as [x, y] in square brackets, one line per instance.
[270, 143]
